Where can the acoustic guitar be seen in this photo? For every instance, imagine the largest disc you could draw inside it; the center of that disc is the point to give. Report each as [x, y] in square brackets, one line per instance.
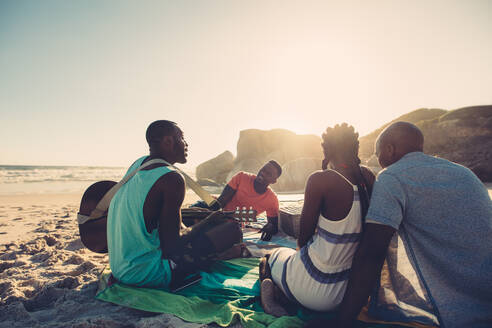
[93, 232]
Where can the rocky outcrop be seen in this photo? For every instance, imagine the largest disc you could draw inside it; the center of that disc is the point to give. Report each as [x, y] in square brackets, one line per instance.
[216, 169]
[463, 136]
[295, 174]
[366, 143]
[295, 153]
[278, 144]
[251, 165]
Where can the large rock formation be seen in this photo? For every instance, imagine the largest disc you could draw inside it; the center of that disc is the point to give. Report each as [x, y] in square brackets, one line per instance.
[216, 169]
[366, 143]
[463, 136]
[295, 174]
[278, 144]
[251, 165]
[256, 147]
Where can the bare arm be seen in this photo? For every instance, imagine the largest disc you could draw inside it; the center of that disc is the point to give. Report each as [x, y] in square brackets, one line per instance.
[226, 196]
[313, 197]
[367, 264]
[173, 192]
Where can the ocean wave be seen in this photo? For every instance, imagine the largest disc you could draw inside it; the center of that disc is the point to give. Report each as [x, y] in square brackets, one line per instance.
[31, 174]
[16, 179]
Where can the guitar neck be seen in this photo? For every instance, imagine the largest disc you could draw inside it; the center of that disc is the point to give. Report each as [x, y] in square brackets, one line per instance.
[242, 216]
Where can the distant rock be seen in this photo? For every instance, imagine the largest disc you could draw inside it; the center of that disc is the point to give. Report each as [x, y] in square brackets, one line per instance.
[217, 168]
[278, 144]
[256, 147]
[366, 143]
[295, 174]
[250, 165]
[373, 161]
[463, 136]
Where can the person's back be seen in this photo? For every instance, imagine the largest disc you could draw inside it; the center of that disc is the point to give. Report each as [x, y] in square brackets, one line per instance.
[447, 230]
[334, 241]
[335, 203]
[135, 255]
[146, 238]
[321, 268]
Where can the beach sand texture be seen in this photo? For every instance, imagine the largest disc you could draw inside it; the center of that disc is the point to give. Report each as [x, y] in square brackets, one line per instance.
[47, 277]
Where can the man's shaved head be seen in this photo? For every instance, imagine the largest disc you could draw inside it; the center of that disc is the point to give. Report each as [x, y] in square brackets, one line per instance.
[397, 140]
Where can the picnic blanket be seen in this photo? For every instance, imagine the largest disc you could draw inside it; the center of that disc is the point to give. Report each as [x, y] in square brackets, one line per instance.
[230, 292]
[227, 294]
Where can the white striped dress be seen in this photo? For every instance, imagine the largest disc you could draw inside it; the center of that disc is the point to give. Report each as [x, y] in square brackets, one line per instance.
[317, 275]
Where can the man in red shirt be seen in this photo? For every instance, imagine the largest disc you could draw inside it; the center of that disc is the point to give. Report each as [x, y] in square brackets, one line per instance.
[249, 190]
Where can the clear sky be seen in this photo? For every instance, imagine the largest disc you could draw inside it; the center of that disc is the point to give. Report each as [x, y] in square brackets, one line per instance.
[81, 80]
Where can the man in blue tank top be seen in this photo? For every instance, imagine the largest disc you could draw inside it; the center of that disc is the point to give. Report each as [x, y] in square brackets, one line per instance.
[147, 243]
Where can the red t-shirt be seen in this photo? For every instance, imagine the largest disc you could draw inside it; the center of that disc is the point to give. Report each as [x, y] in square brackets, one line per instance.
[246, 196]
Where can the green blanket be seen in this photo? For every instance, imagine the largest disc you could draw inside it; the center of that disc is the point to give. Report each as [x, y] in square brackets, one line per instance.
[228, 293]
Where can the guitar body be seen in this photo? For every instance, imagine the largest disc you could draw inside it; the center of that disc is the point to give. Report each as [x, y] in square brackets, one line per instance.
[93, 232]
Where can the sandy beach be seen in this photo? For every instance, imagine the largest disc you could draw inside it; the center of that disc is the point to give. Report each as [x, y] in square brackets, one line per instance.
[47, 277]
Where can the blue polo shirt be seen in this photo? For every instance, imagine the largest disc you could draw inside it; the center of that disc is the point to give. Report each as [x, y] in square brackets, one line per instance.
[443, 215]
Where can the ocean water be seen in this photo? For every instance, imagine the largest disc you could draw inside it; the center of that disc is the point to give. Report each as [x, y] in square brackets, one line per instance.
[18, 179]
[31, 179]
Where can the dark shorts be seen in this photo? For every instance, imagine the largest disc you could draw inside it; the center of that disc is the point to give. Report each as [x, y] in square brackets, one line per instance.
[199, 252]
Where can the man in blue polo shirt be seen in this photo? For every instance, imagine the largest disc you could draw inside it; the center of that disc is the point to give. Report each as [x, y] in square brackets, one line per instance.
[442, 214]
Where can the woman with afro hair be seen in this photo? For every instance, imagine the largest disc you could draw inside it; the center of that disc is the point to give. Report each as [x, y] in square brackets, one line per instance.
[336, 200]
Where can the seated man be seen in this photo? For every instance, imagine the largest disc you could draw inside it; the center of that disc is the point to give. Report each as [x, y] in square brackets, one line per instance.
[245, 190]
[148, 245]
[443, 215]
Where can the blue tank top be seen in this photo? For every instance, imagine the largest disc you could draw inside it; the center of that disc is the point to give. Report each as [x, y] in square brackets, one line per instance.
[135, 256]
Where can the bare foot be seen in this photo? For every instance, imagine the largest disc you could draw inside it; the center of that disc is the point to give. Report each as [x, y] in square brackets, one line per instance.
[267, 292]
